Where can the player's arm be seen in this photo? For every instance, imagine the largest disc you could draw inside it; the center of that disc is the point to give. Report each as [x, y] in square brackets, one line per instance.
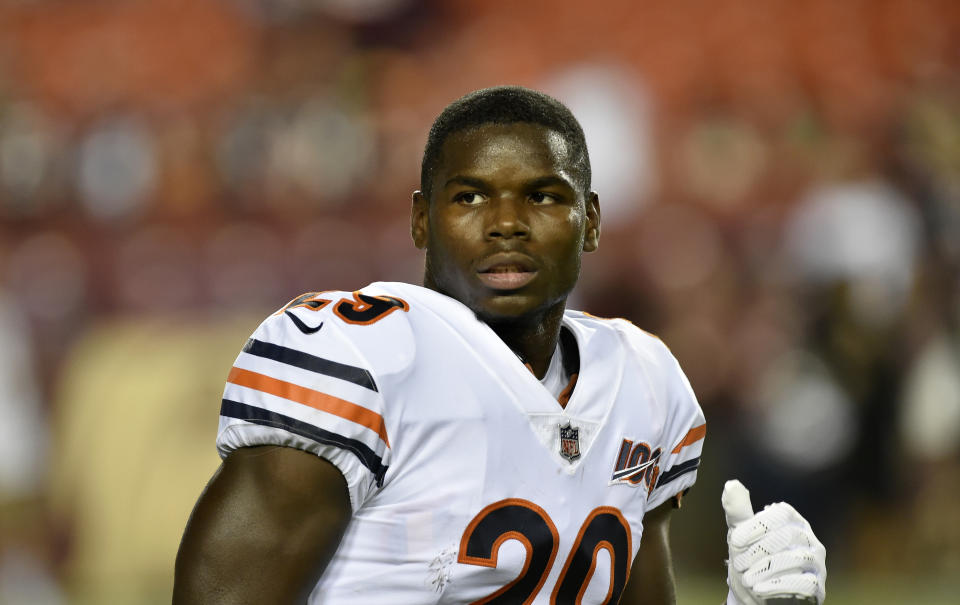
[651, 577]
[263, 530]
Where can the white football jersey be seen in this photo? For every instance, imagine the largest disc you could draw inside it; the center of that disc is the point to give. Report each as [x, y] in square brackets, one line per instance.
[467, 479]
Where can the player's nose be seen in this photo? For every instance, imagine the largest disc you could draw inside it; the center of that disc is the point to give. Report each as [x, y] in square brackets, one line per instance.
[506, 218]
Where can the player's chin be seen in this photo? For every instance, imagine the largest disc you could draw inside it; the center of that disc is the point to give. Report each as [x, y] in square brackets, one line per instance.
[509, 307]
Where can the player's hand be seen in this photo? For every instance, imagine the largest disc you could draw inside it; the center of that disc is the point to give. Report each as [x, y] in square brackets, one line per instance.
[773, 554]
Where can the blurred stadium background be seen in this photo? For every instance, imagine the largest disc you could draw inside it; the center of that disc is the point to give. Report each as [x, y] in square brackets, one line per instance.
[781, 192]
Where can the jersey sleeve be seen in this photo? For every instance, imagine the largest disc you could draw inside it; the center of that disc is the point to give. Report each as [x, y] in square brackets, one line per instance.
[310, 388]
[684, 432]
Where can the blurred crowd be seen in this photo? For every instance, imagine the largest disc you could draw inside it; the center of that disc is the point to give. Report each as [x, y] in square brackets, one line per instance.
[780, 188]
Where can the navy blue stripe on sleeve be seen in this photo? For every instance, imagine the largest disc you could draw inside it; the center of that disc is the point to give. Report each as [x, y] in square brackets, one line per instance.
[242, 411]
[676, 471]
[312, 363]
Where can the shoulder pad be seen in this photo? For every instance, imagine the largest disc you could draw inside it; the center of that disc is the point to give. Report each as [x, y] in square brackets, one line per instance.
[368, 327]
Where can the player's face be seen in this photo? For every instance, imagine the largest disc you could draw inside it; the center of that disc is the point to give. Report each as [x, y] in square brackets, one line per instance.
[507, 222]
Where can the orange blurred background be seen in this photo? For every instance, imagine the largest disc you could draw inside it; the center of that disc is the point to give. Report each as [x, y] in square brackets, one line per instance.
[780, 186]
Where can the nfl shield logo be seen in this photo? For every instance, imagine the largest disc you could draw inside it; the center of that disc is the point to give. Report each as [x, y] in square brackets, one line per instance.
[569, 442]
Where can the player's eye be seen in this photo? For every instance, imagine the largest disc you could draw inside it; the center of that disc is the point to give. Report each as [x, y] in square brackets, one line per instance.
[540, 197]
[470, 198]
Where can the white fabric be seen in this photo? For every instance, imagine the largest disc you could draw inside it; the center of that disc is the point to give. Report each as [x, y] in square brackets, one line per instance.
[467, 427]
[773, 553]
[555, 380]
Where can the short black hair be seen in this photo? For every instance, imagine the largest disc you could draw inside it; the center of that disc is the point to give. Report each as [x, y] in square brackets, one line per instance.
[505, 105]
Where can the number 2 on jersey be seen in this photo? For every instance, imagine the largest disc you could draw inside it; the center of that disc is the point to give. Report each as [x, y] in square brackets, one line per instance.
[522, 520]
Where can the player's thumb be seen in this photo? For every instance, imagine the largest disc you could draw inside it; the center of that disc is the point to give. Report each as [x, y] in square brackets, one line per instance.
[736, 503]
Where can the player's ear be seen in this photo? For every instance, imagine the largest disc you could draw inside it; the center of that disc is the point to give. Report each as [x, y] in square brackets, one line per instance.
[419, 219]
[591, 239]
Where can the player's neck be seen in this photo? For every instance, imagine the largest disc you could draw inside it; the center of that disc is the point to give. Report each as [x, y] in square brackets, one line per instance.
[534, 342]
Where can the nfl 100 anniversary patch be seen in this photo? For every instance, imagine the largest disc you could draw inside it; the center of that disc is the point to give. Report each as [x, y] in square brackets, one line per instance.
[569, 442]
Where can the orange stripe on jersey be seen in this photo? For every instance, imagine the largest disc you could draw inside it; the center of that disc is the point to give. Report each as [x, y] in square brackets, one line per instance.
[695, 434]
[315, 399]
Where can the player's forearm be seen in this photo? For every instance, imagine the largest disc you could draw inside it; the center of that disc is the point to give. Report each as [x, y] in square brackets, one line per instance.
[656, 594]
[651, 577]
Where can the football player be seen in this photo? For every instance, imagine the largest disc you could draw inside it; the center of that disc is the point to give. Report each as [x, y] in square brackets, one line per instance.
[471, 440]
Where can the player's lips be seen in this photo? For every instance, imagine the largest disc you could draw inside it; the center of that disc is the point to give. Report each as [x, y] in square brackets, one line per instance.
[506, 271]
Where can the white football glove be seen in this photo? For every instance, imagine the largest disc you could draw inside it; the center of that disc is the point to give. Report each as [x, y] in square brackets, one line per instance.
[774, 555]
